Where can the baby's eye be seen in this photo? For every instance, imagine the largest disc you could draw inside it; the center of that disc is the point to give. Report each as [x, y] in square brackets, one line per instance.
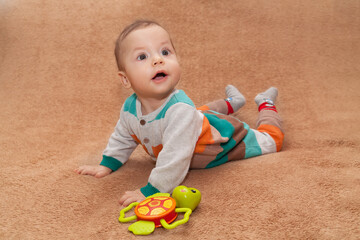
[141, 57]
[165, 52]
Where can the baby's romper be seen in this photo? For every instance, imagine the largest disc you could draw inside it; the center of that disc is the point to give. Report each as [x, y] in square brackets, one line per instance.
[178, 137]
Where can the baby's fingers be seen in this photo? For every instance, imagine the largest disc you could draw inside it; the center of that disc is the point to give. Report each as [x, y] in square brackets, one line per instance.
[79, 170]
[123, 199]
[128, 202]
[130, 197]
[85, 170]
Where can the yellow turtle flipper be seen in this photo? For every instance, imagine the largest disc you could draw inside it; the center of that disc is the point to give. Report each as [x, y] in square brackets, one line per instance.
[142, 227]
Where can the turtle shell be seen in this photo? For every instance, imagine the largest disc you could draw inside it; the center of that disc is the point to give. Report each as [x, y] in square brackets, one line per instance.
[156, 208]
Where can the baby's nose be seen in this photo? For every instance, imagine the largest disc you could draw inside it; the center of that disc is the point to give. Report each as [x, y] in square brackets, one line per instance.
[157, 61]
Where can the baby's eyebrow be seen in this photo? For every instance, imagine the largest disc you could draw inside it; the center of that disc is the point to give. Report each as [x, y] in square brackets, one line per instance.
[165, 42]
[138, 48]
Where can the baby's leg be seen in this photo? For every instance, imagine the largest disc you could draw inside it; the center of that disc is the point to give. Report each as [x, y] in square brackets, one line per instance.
[269, 122]
[234, 101]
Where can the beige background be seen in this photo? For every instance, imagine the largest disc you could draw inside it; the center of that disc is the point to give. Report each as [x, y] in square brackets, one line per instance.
[60, 99]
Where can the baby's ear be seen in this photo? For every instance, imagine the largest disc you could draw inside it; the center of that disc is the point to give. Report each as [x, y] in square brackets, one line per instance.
[124, 80]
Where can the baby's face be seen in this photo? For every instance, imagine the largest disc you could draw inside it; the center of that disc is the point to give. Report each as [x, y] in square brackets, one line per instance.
[150, 62]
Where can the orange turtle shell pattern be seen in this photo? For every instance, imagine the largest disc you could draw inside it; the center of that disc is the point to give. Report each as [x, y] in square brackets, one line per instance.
[156, 208]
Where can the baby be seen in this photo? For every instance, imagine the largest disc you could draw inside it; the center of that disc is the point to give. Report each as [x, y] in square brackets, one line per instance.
[166, 123]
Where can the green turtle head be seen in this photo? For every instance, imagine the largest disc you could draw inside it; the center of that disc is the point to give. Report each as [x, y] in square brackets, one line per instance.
[186, 197]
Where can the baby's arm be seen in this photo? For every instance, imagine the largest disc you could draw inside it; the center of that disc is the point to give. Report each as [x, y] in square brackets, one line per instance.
[116, 153]
[183, 125]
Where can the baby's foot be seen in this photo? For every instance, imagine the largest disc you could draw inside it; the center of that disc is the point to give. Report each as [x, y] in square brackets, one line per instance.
[234, 97]
[97, 171]
[269, 94]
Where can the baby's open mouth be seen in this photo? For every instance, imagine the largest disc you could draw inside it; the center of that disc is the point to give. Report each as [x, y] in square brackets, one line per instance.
[159, 75]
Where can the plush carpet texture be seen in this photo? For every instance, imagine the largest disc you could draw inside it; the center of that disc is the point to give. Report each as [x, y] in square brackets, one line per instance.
[60, 99]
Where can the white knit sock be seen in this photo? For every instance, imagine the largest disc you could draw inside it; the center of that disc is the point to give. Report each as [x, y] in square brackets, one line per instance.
[234, 97]
[269, 94]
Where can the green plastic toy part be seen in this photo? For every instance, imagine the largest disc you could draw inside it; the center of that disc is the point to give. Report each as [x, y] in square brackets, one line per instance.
[122, 217]
[142, 227]
[187, 212]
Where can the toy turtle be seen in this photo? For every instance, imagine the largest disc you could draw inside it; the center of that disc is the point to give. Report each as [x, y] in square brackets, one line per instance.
[161, 210]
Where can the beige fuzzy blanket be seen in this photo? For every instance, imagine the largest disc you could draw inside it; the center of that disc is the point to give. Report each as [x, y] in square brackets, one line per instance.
[60, 99]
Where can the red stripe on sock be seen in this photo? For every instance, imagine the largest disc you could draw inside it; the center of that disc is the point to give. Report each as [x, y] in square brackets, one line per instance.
[230, 109]
[267, 106]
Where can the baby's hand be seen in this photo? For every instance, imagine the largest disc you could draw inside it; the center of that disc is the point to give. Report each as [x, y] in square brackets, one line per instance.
[97, 171]
[130, 197]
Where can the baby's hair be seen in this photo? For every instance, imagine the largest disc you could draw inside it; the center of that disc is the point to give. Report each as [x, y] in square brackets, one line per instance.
[127, 30]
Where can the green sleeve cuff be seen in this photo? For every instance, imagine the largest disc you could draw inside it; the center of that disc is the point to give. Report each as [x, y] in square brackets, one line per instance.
[149, 190]
[111, 163]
